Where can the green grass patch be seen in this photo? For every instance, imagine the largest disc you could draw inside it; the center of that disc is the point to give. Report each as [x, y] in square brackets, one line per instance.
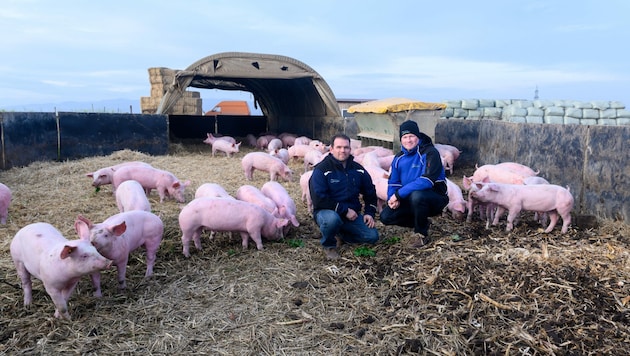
[364, 252]
[392, 240]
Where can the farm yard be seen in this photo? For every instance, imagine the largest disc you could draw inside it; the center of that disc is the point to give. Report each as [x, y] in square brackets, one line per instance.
[472, 291]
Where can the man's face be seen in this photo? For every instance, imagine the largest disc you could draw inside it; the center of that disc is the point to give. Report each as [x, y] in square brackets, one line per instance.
[409, 141]
[340, 149]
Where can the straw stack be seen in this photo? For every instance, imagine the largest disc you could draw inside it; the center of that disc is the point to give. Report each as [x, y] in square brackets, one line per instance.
[161, 78]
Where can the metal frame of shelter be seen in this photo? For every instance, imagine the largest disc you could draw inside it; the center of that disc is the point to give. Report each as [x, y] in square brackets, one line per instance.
[293, 96]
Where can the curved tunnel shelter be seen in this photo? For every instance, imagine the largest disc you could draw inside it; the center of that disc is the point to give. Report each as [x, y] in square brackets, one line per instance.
[291, 95]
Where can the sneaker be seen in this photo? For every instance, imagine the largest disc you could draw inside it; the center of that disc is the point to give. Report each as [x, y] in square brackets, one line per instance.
[331, 253]
[420, 240]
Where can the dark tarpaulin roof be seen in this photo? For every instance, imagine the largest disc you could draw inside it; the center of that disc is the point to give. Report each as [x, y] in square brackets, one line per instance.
[285, 88]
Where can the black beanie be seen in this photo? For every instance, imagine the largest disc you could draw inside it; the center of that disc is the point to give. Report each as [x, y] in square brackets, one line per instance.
[409, 127]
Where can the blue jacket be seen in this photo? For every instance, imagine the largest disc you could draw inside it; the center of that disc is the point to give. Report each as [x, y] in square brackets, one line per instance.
[417, 169]
[334, 188]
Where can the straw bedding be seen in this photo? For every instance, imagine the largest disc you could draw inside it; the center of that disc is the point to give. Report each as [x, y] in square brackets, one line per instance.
[472, 291]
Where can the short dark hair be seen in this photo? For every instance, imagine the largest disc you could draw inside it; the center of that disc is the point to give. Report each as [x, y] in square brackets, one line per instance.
[343, 136]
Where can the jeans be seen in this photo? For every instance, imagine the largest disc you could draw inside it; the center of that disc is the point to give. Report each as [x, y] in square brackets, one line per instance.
[415, 210]
[331, 224]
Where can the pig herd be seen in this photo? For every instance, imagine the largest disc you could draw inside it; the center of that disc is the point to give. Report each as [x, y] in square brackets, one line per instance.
[40, 250]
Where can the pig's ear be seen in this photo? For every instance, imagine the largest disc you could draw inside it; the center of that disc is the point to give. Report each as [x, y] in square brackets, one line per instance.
[478, 185]
[486, 179]
[176, 185]
[282, 222]
[119, 229]
[186, 183]
[85, 220]
[91, 175]
[493, 187]
[208, 134]
[82, 229]
[294, 221]
[66, 251]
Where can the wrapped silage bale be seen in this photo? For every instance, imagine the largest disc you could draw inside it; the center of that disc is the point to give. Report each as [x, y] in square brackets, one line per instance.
[486, 103]
[590, 114]
[574, 113]
[601, 105]
[470, 104]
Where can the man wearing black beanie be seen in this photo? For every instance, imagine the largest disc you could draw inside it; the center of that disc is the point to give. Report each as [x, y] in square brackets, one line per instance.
[416, 187]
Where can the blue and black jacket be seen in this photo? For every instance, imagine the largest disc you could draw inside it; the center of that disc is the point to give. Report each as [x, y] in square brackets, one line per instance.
[417, 169]
[336, 188]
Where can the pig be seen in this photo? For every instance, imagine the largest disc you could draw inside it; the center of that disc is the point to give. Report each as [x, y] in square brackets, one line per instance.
[518, 168]
[354, 144]
[282, 153]
[551, 198]
[104, 176]
[131, 196]
[251, 140]
[485, 209]
[286, 206]
[380, 183]
[265, 162]
[165, 182]
[448, 154]
[212, 190]
[263, 141]
[541, 217]
[306, 193]
[311, 158]
[253, 195]
[456, 203]
[118, 236]
[319, 145]
[302, 140]
[274, 144]
[299, 151]
[228, 215]
[226, 147]
[288, 139]
[5, 201]
[497, 174]
[40, 250]
[211, 139]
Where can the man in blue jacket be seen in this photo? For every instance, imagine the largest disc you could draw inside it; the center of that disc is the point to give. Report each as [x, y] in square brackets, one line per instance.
[335, 186]
[416, 187]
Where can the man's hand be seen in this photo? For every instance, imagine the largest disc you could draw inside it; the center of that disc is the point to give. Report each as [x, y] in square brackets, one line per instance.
[351, 215]
[393, 202]
[368, 220]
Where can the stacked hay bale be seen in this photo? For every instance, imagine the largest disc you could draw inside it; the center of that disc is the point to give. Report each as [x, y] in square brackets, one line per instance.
[161, 78]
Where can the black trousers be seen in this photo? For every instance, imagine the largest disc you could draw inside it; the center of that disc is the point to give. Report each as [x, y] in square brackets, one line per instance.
[415, 210]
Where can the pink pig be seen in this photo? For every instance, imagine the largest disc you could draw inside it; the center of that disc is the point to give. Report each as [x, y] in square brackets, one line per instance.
[448, 154]
[253, 195]
[456, 203]
[131, 196]
[265, 162]
[212, 190]
[281, 153]
[118, 236]
[151, 178]
[380, 183]
[306, 193]
[274, 144]
[211, 139]
[518, 168]
[286, 206]
[40, 250]
[104, 176]
[299, 151]
[227, 215]
[311, 158]
[551, 198]
[227, 147]
[5, 201]
[497, 174]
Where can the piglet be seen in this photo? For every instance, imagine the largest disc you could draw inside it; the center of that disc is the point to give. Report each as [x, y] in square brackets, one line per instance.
[227, 215]
[152, 178]
[282, 153]
[131, 196]
[226, 147]
[286, 206]
[212, 190]
[211, 139]
[104, 176]
[40, 250]
[265, 162]
[119, 235]
[448, 154]
[5, 201]
[456, 203]
[551, 198]
[274, 144]
[253, 195]
[306, 193]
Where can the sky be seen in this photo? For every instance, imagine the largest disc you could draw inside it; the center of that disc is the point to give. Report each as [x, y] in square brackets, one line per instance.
[54, 52]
